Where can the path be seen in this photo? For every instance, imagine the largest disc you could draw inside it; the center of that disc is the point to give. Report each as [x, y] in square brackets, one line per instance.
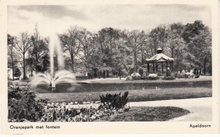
[200, 108]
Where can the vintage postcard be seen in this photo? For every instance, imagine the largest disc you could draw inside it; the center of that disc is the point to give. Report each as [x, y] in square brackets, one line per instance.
[109, 67]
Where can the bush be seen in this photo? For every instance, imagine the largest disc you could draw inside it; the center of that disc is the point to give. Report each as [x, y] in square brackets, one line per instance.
[182, 74]
[23, 106]
[129, 78]
[81, 77]
[115, 101]
[168, 77]
[124, 72]
[152, 76]
[141, 71]
[135, 76]
[17, 72]
[144, 76]
[176, 74]
[168, 72]
[159, 74]
[171, 77]
[197, 75]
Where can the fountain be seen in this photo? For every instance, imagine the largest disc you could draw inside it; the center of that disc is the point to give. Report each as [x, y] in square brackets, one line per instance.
[53, 78]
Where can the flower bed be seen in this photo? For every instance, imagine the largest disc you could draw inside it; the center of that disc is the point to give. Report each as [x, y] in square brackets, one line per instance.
[24, 107]
[61, 112]
[110, 104]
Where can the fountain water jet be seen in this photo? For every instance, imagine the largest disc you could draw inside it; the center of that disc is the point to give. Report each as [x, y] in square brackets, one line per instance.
[53, 78]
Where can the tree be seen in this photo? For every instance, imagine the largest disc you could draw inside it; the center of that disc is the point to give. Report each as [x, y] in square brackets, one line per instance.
[71, 43]
[22, 46]
[136, 40]
[191, 30]
[201, 48]
[39, 48]
[176, 46]
[158, 37]
[12, 55]
[88, 47]
[108, 38]
[198, 39]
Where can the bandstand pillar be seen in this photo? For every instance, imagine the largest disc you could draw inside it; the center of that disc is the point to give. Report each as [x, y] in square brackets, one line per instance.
[148, 68]
[166, 65]
[153, 67]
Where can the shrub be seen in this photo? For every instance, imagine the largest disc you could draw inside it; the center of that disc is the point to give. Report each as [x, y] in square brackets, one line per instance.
[152, 76]
[124, 72]
[135, 76]
[81, 77]
[115, 101]
[171, 77]
[176, 74]
[168, 72]
[182, 74]
[17, 72]
[129, 78]
[23, 106]
[159, 74]
[197, 76]
[141, 71]
[168, 77]
[144, 76]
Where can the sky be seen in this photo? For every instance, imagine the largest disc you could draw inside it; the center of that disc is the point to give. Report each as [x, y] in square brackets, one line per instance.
[58, 19]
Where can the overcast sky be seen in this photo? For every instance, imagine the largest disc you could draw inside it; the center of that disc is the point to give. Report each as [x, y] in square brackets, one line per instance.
[57, 19]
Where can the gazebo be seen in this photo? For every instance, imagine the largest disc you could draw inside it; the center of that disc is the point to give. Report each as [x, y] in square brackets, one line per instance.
[159, 61]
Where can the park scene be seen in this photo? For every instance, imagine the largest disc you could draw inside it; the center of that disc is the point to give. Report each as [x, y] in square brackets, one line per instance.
[77, 74]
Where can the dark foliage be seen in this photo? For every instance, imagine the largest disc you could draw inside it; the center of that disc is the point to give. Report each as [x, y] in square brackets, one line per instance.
[197, 76]
[141, 71]
[168, 77]
[168, 72]
[115, 101]
[22, 105]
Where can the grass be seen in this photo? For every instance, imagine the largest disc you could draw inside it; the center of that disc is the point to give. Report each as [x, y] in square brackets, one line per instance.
[148, 114]
[134, 95]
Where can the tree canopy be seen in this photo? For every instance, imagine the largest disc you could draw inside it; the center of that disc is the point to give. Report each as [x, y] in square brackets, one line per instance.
[117, 50]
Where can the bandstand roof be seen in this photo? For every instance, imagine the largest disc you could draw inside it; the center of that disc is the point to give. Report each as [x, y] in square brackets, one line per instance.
[160, 57]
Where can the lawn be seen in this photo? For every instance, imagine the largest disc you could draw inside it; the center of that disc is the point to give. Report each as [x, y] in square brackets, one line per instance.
[134, 95]
[147, 114]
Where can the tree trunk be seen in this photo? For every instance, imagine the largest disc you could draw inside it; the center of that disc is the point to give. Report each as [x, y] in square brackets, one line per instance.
[148, 67]
[204, 67]
[36, 62]
[12, 70]
[135, 61]
[72, 62]
[142, 55]
[24, 65]
[172, 54]
[12, 66]
[31, 72]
